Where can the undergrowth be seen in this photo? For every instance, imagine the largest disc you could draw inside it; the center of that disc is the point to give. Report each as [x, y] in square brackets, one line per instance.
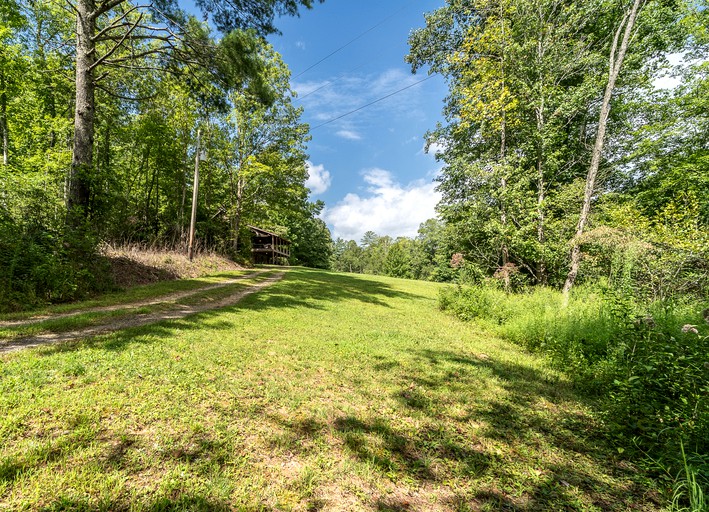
[648, 363]
[41, 263]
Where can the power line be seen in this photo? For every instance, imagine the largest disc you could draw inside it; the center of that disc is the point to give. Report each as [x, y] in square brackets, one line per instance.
[372, 103]
[330, 82]
[352, 41]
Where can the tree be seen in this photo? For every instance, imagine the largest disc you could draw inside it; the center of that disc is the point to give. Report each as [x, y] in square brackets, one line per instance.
[399, 260]
[312, 242]
[347, 256]
[267, 142]
[618, 49]
[518, 73]
[525, 79]
[158, 31]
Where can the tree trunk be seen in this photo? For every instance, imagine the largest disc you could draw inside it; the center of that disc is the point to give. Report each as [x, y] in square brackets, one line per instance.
[541, 237]
[184, 197]
[239, 210]
[195, 195]
[82, 158]
[3, 119]
[617, 55]
[541, 186]
[504, 249]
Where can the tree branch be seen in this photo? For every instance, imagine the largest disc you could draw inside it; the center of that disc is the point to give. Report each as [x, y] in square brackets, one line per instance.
[117, 45]
[117, 23]
[105, 7]
[126, 98]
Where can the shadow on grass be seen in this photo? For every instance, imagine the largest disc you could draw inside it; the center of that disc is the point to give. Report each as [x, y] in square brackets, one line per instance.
[299, 288]
[303, 288]
[535, 414]
[553, 456]
[417, 456]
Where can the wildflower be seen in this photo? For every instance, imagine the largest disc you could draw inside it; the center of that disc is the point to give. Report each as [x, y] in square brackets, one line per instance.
[457, 260]
[690, 328]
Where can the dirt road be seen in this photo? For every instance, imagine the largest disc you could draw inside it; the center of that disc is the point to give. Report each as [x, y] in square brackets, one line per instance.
[111, 325]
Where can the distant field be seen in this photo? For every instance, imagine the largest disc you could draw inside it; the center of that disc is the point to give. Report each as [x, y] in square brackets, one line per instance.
[323, 391]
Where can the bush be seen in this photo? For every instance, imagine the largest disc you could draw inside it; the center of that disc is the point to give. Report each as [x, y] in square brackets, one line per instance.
[42, 265]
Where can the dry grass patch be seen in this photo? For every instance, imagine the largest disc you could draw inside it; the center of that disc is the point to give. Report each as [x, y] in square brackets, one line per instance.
[135, 265]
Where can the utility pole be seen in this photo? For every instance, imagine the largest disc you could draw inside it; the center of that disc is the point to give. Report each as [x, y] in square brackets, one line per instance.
[195, 188]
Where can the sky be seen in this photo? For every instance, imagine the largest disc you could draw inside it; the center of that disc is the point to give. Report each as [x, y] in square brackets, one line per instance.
[370, 167]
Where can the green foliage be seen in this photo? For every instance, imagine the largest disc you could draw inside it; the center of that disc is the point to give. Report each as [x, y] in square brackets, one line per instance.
[160, 76]
[426, 257]
[688, 490]
[525, 79]
[648, 363]
[41, 264]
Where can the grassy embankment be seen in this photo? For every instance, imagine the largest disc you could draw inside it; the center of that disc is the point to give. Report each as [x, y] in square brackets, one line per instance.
[323, 391]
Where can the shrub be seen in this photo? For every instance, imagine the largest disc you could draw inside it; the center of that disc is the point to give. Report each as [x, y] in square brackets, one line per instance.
[41, 264]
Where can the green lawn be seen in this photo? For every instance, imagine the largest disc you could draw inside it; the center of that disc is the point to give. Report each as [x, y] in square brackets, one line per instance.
[130, 295]
[321, 392]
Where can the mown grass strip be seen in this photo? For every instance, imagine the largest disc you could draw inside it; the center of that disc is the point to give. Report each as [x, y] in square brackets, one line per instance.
[135, 294]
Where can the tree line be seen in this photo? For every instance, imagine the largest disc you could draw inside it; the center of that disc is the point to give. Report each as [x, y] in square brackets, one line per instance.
[562, 161]
[557, 141]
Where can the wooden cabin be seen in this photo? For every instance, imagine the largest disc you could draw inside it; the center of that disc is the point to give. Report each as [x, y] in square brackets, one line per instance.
[267, 247]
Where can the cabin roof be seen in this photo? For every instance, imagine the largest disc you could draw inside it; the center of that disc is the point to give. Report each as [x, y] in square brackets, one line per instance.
[263, 232]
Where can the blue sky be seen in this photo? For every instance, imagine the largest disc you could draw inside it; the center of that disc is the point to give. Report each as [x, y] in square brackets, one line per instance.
[369, 168]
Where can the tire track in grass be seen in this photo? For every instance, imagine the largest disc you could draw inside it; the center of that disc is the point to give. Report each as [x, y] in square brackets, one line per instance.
[137, 321]
[171, 297]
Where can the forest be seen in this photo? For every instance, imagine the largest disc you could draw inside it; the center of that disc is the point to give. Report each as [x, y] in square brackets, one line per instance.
[574, 217]
[100, 133]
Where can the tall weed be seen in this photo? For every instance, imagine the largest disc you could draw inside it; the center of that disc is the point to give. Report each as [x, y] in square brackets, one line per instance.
[649, 364]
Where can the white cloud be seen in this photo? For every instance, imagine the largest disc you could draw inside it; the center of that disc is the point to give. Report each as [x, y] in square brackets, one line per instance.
[300, 45]
[389, 208]
[669, 78]
[349, 135]
[436, 148]
[318, 178]
[666, 82]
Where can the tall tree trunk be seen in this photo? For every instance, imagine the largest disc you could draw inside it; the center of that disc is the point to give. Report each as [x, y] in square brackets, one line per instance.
[617, 54]
[541, 190]
[3, 119]
[82, 158]
[149, 180]
[239, 211]
[504, 249]
[157, 203]
[542, 277]
[184, 197]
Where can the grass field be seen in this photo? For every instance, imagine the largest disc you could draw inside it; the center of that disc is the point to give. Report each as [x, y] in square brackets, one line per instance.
[323, 391]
